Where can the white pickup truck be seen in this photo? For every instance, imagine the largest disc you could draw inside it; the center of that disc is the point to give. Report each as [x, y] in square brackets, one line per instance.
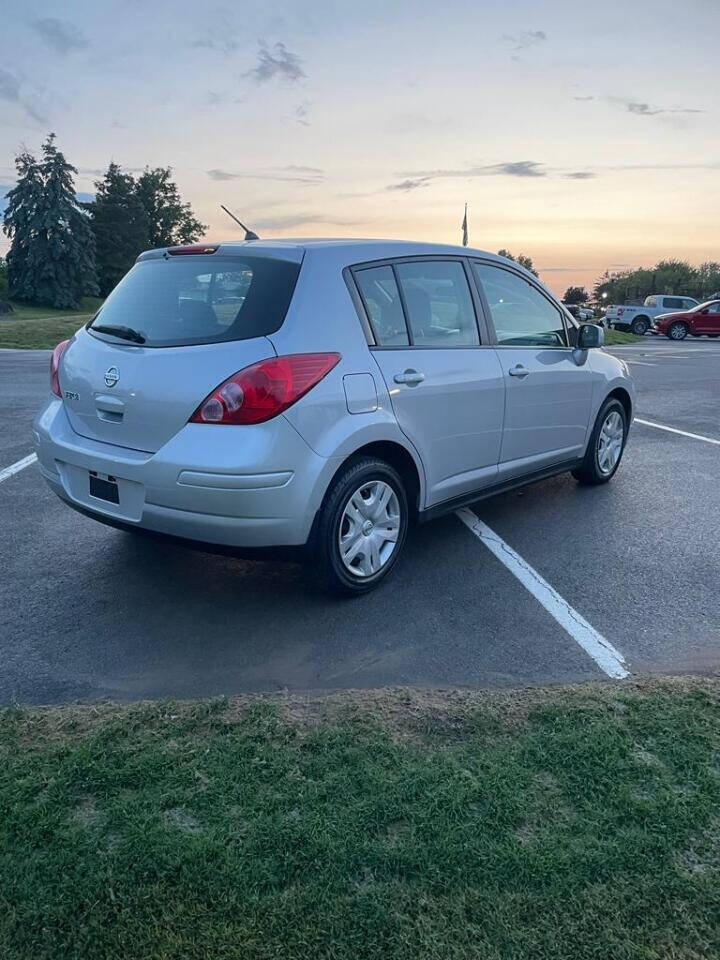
[638, 319]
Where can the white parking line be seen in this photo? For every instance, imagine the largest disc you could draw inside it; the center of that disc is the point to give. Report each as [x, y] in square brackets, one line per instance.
[17, 467]
[641, 363]
[610, 660]
[683, 433]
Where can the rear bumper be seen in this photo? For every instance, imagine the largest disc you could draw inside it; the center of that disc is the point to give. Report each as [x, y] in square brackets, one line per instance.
[236, 487]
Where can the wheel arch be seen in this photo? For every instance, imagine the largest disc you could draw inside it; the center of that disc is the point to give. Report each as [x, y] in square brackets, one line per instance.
[621, 394]
[398, 457]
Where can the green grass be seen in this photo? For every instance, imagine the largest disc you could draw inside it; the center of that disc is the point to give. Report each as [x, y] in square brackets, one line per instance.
[563, 824]
[33, 327]
[614, 337]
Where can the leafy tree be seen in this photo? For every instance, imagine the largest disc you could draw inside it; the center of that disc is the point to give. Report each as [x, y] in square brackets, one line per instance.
[119, 224]
[674, 276]
[576, 295]
[667, 276]
[52, 252]
[170, 221]
[708, 280]
[521, 259]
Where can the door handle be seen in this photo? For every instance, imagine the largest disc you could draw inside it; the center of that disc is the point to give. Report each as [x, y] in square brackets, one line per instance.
[411, 377]
[519, 371]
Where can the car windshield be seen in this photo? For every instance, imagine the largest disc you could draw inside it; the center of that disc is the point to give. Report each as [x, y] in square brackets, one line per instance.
[178, 301]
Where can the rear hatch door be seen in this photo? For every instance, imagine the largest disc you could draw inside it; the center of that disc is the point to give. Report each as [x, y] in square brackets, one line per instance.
[140, 397]
[173, 329]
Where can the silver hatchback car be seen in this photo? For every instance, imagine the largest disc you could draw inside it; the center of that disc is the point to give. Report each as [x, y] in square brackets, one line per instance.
[310, 398]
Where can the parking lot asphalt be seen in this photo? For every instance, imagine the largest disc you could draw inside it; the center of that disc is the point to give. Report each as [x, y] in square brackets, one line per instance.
[89, 612]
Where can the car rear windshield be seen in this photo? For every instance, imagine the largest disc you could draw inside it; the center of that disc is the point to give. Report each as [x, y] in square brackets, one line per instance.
[178, 301]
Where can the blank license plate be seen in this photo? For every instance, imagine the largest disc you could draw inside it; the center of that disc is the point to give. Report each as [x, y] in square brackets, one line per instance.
[104, 489]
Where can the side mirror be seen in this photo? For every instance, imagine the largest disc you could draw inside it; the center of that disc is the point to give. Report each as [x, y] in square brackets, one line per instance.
[590, 335]
[703, 312]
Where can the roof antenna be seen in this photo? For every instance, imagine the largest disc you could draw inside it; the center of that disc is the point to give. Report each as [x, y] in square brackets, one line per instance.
[249, 234]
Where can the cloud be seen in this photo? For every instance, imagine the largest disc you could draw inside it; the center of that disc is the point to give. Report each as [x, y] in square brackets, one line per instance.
[409, 184]
[708, 165]
[60, 35]
[300, 219]
[641, 109]
[11, 90]
[300, 169]
[222, 38]
[520, 168]
[524, 39]
[301, 113]
[278, 62]
[645, 110]
[288, 174]
[514, 168]
[9, 87]
[525, 169]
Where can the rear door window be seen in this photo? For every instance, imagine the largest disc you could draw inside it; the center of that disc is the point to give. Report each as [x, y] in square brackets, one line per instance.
[439, 305]
[383, 306]
[178, 301]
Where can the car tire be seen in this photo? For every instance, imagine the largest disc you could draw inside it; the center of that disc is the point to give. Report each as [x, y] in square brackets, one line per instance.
[360, 483]
[677, 330]
[595, 470]
[640, 326]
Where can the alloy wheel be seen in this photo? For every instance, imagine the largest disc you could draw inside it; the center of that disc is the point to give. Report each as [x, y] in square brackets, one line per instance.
[610, 443]
[677, 331]
[369, 528]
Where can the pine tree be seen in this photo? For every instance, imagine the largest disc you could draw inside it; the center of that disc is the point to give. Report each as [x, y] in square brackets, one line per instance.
[20, 225]
[119, 224]
[52, 254]
[170, 221]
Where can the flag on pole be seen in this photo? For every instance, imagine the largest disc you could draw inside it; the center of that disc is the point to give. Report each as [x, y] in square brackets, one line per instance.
[464, 228]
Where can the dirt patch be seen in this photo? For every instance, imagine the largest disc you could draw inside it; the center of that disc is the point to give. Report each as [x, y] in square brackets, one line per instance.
[86, 812]
[703, 855]
[182, 820]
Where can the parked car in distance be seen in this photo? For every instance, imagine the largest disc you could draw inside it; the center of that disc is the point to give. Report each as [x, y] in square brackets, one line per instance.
[358, 385]
[702, 319]
[638, 320]
[579, 311]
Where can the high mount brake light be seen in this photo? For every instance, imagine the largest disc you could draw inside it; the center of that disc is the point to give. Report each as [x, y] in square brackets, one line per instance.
[262, 391]
[55, 365]
[198, 248]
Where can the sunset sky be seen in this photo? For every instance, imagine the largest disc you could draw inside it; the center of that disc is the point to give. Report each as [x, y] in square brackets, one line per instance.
[584, 134]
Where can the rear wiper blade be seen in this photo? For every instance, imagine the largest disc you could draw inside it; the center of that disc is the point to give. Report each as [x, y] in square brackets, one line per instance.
[124, 333]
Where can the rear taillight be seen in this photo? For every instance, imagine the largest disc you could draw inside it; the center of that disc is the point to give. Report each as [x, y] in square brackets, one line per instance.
[263, 390]
[54, 366]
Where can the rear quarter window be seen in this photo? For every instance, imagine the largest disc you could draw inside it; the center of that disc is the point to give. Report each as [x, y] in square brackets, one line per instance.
[181, 301]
